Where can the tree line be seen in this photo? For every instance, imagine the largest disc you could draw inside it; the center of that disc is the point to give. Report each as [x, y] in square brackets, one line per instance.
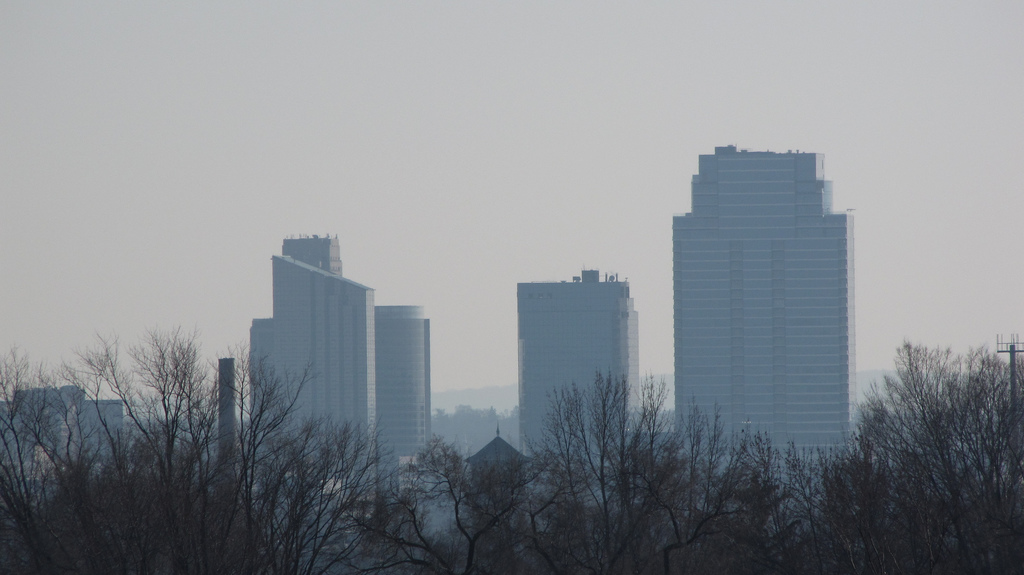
[930, 480]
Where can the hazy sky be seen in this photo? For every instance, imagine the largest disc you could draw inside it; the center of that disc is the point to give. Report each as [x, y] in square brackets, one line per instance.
[154, 155]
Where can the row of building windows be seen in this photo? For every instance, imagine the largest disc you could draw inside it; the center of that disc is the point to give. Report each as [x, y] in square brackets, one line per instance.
[808, 232]
[757, 290]
[765, 375]
[787, 245]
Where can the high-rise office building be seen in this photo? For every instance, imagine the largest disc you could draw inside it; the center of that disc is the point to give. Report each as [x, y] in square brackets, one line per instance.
[764, 314]
[323, 327]
[403, 378]
[64, 416]
[568, 332]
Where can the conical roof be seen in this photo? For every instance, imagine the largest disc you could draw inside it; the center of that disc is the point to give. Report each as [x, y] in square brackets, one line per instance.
[497, 450]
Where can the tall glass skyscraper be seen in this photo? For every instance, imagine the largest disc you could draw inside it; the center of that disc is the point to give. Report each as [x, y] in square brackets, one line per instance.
[323, 326]
[764, 307]
[403, 378]
[568, 332]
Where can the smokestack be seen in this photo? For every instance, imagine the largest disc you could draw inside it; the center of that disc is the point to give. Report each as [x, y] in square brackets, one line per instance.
[226, 404]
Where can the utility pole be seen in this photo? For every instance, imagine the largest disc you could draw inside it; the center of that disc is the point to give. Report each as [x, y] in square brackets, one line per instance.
[1011, 346]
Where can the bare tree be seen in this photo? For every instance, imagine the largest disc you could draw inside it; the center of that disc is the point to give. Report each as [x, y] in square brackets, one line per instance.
[854, 499]
[947, 427]
[769, 534]
[442, 514]
[25, 479]
[154, 493]
[694, 476]
[593, 509]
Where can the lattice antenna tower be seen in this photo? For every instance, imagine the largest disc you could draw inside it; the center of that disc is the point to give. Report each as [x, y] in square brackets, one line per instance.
[1011, 345]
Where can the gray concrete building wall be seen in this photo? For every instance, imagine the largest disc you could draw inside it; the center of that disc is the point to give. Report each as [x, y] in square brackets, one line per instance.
[763, 297]
[403, 378]
[568, 332]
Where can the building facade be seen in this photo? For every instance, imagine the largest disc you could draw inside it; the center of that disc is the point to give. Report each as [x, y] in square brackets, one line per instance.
[403, 378]
[568, 332]
[319, 252]
[763, 297]
[63, 417]
[322, 331]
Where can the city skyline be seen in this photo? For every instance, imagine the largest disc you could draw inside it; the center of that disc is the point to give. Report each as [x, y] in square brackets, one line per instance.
[154, 156]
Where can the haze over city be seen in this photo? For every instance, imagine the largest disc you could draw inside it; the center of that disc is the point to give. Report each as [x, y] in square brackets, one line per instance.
[155, 156]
